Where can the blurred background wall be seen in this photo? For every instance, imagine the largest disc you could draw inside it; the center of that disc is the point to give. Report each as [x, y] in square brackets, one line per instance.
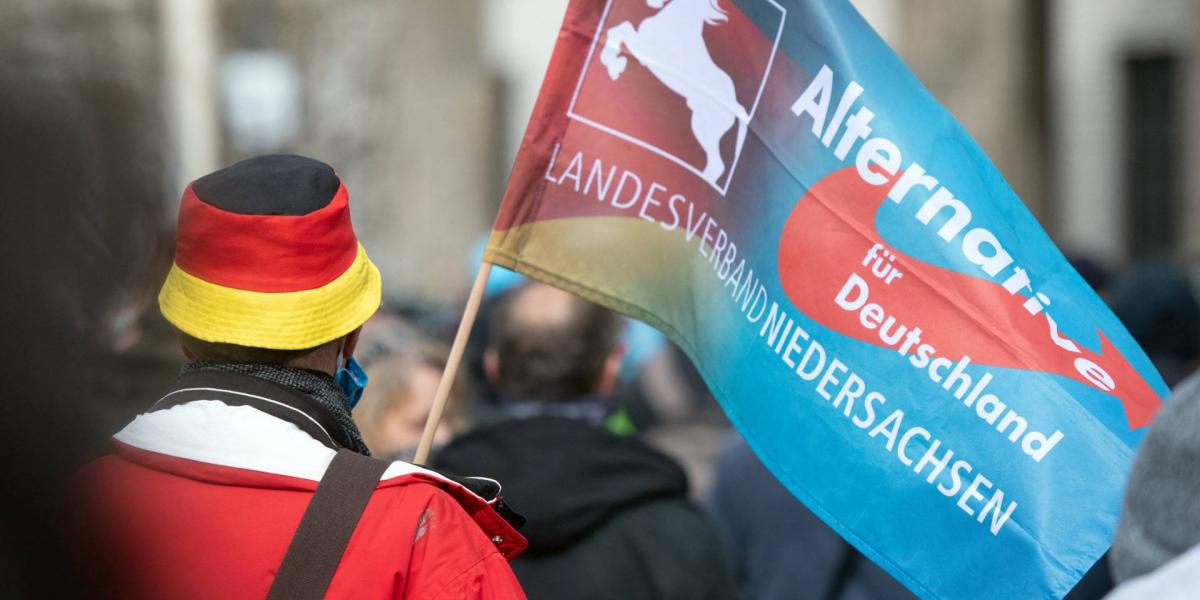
[420, 105]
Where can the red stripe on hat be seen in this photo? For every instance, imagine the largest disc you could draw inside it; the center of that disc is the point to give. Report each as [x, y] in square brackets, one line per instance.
[265, 253]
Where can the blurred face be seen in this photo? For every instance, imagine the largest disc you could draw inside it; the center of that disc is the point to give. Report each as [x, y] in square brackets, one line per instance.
[398, 428]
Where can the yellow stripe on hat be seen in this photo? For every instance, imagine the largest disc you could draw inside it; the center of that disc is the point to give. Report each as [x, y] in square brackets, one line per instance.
[279, 321]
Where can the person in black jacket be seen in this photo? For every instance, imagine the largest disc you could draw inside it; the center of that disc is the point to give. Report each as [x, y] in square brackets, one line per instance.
[608, 516]
[781, 550]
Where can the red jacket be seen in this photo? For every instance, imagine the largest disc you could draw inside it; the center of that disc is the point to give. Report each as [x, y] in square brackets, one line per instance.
[201, 501]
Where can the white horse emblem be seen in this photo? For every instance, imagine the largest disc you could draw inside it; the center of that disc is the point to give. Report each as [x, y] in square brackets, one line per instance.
[670, 44]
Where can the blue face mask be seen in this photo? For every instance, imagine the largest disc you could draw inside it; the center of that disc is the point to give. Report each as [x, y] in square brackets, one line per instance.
[353, 380]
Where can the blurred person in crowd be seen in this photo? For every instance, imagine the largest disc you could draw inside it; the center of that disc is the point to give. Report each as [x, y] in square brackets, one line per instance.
[61, 277]
[1157, 304]
[688, 423]
[500, 282]
[1159, 520]
[768, 530]
[608, 517]
[404, 368]
[644, 346]
[202, 494]
[1092, 270]
[658, 392]
[1179, 579]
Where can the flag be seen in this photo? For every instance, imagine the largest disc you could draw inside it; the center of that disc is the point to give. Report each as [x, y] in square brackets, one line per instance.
[876, 311]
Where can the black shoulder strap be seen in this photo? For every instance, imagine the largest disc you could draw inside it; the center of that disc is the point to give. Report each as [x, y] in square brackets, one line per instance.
[330, 519]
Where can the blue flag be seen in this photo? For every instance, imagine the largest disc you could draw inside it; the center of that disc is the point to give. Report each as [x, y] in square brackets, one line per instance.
[887, 325]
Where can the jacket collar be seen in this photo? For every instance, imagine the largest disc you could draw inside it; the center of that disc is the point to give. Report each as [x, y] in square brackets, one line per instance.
[315, 392]
[281, 402]
[592, 410]
[245, 422]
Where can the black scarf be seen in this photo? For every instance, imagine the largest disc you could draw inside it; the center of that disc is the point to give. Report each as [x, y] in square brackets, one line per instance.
[314, 384]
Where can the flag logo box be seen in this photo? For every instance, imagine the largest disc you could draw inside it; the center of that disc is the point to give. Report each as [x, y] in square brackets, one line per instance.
[681, 79]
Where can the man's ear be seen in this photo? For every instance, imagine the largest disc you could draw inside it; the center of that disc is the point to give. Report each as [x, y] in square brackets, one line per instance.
[612, 368]
[491, 366]
[351, 343]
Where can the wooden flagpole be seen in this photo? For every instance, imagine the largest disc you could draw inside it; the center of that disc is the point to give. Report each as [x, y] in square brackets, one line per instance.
[452, 363]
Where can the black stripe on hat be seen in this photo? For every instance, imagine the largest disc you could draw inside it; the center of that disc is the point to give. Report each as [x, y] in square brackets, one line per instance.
[277, 184]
